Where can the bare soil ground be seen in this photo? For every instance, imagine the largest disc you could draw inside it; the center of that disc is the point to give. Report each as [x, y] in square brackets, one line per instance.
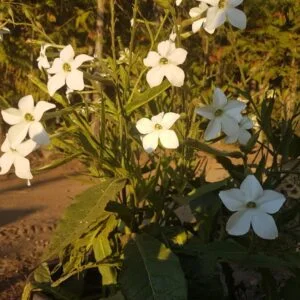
[28, 216]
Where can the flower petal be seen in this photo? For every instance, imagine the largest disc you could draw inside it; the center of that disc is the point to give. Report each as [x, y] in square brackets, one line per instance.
[174, 74]
[168, 139]
[75, 81]
[246, 123]
[145, 126]
[234, 3]
[213, 129]
[264, 226]
[196, 26]
[152, 59]
[177, 57]
[17, 133]
[6, 161]
[56, 67]
[12, 116]
[231, 139]
[26, 104]
[155, 76]
[244, 137]
[67, 54]
[229, 125]
[206, 112]
[270, 202]
[251, 188]
[5, 147]
[215, 17]
[233, 199]
[195, 12]
[26, 147]
[56, 82]
[157, 119]
[237, 18]
[169, 119]
[234, 108]
[38, 134]
[80, 59]
[40, 108]
[239, 223]
[150, 141]
[165, 47]
[22, 167]
[219, 98]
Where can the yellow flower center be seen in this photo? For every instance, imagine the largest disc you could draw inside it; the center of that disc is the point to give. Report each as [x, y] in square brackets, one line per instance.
[222, 3]
[29, 117]
[163, 61]
[218, 112]
[66, 67]
[251, 204]
[158, 127]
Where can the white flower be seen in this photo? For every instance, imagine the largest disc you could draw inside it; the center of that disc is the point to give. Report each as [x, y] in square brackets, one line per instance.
[26, 119]
[158, 128]
[65, 70]
[164, 63]
[223, 115]
[15, 155]
[42, 59]
[253, 206]
[178, 2]
[197, 12]
[221, 10]
[3, 30]
[243, 136]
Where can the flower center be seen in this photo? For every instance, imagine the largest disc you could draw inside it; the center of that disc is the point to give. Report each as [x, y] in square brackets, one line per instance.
[218, 112]
[29, 117]
[163, 61]
[251, 204]
[222, 3]
[158, 127]
[66, 67]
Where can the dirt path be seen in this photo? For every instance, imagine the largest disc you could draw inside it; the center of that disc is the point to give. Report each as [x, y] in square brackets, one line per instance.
[27, 217]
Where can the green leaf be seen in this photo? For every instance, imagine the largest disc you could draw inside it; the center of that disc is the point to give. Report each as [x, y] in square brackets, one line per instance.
[141, 99]
[86, 211]
[151, 271]
[210, 150]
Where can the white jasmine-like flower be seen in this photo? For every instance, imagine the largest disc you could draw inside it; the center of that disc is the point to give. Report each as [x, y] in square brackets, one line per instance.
[15, 155]
[253, 206]
[223, 115]
[242, 136]
[25, 120]
[197, 12]
[42, 59]
[221, 10]
[165, 63]
[158, 128]
[178, 2]
[65, 70]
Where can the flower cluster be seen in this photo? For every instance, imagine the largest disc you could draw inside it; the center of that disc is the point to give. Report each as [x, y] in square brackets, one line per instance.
[24, 121]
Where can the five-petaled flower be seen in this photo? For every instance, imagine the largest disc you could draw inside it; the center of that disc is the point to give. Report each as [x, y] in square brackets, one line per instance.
[243, 135]
[42, 59]
[65, 70]
[25, 120]
[220, 10]
[253, 207]
[223, 115]
[165, 63]
[158, 128]
[15, 155]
